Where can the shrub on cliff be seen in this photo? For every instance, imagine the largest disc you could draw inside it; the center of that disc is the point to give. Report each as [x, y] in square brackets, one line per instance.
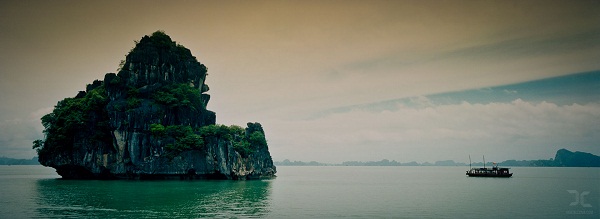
[182, 138]
[71, 115]
[241, 143]
[157, 130]
[178, 138]
[179, 95]
[258, 139]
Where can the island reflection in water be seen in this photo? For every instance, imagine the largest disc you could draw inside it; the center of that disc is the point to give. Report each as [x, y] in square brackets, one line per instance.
[129, 198]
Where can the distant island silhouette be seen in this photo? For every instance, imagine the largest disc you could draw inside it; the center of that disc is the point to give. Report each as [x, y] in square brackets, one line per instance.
[13, 161]
[563, 158]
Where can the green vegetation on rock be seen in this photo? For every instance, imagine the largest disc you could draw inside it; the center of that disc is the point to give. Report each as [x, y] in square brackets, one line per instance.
[183, 138]
[72, 115]
[178, 95]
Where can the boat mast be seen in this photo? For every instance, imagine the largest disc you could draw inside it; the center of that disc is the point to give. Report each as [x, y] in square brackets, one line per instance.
[470, 162]
[483, 161]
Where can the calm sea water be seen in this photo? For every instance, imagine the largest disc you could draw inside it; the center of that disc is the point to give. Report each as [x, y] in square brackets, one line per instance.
[310, 192]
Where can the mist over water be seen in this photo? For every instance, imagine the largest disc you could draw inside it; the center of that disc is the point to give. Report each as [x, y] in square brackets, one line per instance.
[310, 192]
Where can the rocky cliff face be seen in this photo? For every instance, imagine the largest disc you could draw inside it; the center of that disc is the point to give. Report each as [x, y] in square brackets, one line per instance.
[150, 121]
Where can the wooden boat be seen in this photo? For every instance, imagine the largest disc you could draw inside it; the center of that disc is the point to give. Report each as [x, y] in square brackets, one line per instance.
[488, 172]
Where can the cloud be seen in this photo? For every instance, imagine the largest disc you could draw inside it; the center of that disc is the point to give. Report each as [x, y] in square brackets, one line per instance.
[16, 137]
[501, 130]
[277, 62]
[17, 134]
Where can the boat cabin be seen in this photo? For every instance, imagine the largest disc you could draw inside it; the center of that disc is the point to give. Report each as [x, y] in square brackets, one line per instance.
[489, 172]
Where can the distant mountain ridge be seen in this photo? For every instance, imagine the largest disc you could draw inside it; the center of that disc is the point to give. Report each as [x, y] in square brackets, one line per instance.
[13, 161]
[563, 158]
[567, 158]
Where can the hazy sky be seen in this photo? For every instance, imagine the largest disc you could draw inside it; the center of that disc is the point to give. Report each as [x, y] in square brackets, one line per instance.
[291, 65]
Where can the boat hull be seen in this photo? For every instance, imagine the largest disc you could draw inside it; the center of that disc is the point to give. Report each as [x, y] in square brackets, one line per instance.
[489, 175]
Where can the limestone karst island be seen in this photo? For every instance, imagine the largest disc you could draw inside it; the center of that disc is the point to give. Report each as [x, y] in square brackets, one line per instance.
[150, 121]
